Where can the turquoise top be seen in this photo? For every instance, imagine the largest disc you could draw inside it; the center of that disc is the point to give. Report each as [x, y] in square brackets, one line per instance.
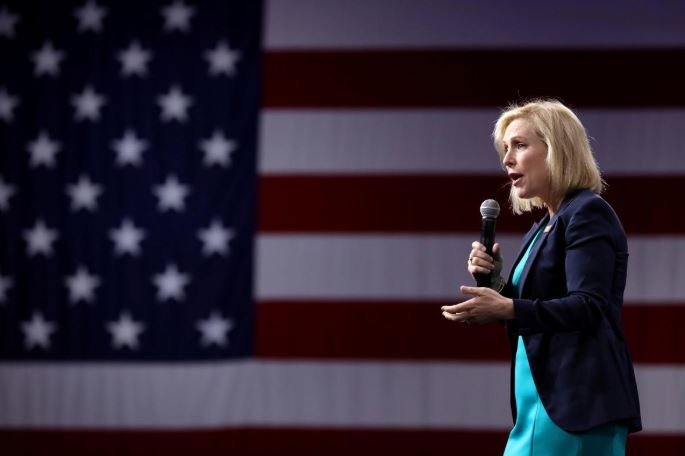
[535, 434]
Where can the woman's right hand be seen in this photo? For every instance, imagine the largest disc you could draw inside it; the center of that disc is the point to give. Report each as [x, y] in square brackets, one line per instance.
[481, 262]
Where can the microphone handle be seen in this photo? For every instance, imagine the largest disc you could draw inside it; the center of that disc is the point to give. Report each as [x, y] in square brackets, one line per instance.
[487, 238]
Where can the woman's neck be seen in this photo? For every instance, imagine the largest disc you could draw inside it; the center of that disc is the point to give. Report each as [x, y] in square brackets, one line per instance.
[552, 207]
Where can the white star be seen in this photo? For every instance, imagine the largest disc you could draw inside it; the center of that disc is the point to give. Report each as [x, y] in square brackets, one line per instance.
[125, 331]
[170, 283]
[177, 16]
[214, 329]
[215, 239]
[43, 150]
[7, 22]
[47, 60]
[222, 59]
[127, 238]
[6, 192]
[171, 195]
[40, 239]
[5, 284]
[218, 149]
[37, 331]
[84, 194]
[7, 105]
[175, 104]
[129, 149]
[88, 104]
[90, 17]
[134, 60]
[82, 285]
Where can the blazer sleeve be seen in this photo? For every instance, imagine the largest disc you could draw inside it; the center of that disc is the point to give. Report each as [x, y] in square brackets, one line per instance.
[590, 255]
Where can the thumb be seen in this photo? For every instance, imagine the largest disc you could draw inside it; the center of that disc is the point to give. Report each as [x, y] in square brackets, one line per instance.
[496, 250]
[473, 291]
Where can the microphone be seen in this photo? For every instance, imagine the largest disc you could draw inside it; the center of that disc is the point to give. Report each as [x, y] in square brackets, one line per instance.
[489, 211]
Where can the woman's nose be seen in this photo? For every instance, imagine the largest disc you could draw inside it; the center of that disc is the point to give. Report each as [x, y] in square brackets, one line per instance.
[508, 159]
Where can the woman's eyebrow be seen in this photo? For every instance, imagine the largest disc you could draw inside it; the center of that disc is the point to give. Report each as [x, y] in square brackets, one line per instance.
[517, 137]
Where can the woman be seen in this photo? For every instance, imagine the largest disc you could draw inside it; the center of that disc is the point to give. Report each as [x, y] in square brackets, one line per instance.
[573, 389]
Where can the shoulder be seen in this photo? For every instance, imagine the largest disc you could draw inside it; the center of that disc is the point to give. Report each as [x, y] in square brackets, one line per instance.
[587, 211]
[586, 203]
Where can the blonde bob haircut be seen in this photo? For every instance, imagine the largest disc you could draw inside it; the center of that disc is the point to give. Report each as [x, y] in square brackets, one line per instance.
[570, 160]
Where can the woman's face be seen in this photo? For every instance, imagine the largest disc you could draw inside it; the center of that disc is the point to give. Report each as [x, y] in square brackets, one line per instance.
[524, 160]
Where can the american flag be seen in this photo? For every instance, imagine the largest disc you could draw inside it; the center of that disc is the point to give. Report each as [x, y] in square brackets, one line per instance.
[129, 180]
[229, 226]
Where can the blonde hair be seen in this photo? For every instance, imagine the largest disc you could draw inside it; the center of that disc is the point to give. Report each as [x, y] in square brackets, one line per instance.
[570, 161]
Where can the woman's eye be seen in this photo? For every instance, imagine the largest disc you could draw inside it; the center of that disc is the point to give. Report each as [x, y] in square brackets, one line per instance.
[520, 146]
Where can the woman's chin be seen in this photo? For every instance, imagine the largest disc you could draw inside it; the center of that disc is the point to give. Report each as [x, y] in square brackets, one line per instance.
[521, 193]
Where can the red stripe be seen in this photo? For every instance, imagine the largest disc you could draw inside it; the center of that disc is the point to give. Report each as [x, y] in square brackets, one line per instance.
[304, 79]
[386, 330]
[655, 333]
[405, 203]
[417, 331]
[284, 441]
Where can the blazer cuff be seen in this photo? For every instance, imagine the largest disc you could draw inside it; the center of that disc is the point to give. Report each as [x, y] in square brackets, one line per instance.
[524, 313]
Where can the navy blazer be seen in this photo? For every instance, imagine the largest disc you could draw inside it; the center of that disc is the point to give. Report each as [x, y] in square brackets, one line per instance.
[569, 314]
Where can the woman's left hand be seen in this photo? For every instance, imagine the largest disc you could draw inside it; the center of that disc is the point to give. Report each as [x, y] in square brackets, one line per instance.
[485, 306]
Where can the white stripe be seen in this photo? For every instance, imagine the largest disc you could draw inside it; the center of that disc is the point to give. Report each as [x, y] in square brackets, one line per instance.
[645, 141]
[317, 266]
[297, 24]
[373, 141]
[662, 397]
[317, 394]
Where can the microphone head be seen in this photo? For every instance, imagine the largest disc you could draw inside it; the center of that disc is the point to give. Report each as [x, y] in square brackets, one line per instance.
[489, 209]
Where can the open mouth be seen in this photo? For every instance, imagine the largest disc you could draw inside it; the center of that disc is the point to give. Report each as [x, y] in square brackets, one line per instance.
[515, 178]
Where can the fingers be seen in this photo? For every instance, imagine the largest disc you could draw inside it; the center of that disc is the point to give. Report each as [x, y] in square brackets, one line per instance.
[481, 308]
[479, 261]
[474, 269]
[475, 245]
[479, 250]
[455, 317]
[478, 292]
[462, 315]
[462, 307]
[462, 312]
[467, 306]
[465, 318]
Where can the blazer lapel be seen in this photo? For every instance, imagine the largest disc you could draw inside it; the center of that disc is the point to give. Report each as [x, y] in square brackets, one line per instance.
[550, 225]
[525, 242]
[536, 249]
